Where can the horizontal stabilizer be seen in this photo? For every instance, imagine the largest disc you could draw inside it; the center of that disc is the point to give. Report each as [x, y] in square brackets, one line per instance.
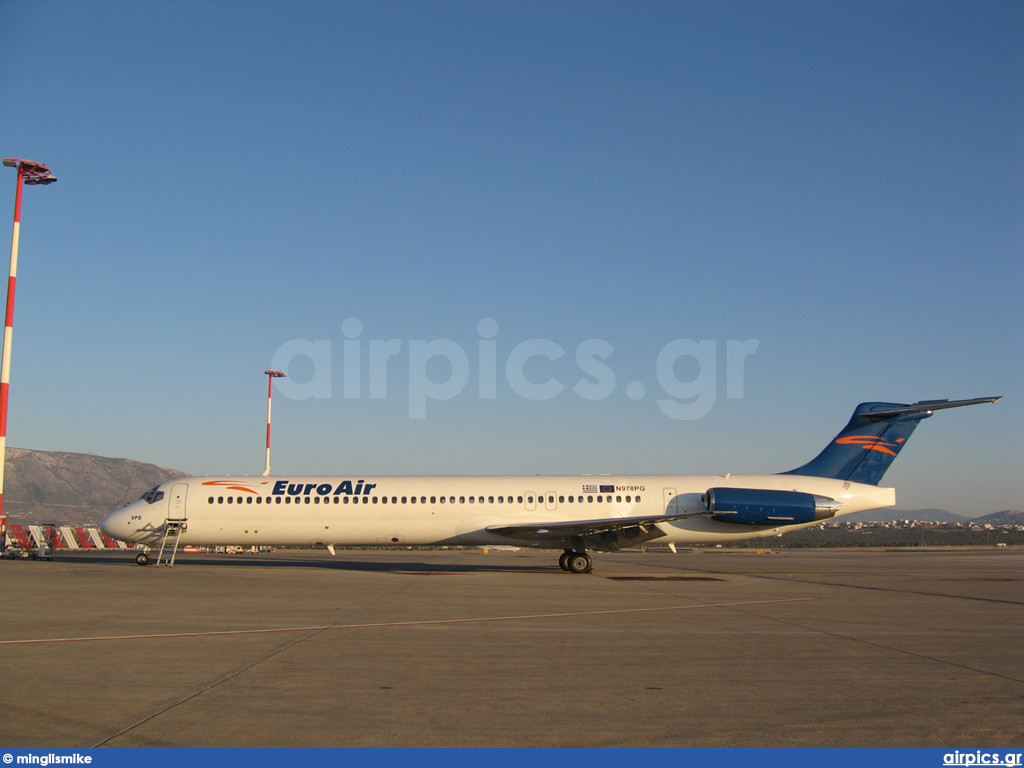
[926, 406]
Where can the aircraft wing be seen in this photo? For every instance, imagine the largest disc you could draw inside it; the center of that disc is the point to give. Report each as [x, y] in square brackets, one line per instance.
[606, 533]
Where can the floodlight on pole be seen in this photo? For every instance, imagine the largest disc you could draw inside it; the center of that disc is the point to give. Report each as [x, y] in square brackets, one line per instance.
[271, 375]
[28, 173]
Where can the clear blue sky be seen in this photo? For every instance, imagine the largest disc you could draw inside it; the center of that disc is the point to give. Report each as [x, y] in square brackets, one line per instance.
[839, 185]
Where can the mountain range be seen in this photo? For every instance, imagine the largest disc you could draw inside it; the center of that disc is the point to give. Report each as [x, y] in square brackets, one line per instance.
[73, 488]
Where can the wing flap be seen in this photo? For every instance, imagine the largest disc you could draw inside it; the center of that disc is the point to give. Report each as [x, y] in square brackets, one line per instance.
[549, 531]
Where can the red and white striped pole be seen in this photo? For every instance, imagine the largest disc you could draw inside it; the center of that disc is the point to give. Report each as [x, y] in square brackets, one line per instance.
[28, 173]
[271, 375]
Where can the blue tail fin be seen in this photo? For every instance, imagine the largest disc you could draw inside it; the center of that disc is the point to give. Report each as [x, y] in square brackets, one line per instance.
[868, 444]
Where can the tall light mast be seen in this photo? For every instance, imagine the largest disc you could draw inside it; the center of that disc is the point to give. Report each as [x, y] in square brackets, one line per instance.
[271, 375]
[28, 173]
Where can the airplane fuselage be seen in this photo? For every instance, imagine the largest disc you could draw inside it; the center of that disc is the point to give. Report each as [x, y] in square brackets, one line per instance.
[455, 510]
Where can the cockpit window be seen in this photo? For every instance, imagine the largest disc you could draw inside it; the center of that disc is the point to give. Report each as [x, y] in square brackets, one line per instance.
[153, 495]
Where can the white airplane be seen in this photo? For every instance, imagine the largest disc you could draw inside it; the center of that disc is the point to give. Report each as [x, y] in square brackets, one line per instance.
[572, 513]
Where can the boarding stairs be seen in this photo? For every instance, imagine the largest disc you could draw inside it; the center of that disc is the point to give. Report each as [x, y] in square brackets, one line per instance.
[173, 528]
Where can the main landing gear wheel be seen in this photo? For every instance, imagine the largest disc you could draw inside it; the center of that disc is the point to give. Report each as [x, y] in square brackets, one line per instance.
[142, 558]
[563, 560]
[579, 562]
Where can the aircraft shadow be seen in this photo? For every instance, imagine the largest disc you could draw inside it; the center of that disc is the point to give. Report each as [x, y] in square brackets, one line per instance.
[279, 560]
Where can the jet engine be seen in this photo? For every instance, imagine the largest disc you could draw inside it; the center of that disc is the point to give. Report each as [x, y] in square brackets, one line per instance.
[752, 506]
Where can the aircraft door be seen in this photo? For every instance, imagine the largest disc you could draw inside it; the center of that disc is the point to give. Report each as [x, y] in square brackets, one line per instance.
[671, 501]
[177, 510]
[549, 500]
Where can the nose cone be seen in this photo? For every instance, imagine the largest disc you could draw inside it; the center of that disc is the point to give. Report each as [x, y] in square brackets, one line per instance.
[117, 525]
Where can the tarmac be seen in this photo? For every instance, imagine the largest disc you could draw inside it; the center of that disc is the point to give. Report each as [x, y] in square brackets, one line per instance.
[463, 648]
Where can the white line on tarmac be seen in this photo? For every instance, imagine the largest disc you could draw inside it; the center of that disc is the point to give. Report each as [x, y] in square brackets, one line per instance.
[427, 623]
